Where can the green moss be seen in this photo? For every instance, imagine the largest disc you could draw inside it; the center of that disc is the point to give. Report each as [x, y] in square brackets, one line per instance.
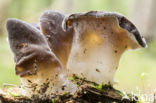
[99, 87]
[71, 78]
[119, 93]
[75, 80]
[14, 95]
[52, 101]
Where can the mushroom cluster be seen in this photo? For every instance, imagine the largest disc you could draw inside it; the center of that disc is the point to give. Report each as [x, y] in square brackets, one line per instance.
[88, 45]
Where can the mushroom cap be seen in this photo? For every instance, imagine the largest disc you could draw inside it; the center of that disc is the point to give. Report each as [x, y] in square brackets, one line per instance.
[36, 25]
[59, 40]
[29, 47]
[122, 21]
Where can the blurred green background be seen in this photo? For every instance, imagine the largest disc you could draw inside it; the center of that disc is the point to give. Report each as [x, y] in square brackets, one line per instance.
[137, 68]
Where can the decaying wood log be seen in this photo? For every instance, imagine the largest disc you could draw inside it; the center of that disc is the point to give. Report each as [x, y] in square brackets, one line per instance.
[88, 92]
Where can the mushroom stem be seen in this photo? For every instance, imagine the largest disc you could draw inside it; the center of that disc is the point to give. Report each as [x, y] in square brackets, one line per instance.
[96, 52]
[45, 83]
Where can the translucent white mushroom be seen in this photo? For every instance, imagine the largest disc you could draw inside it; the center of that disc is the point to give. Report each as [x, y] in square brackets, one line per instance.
[59, 41]
[40, 71]
[99, 41]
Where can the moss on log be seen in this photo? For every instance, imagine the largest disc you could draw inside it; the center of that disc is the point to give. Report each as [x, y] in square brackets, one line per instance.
[88, 92]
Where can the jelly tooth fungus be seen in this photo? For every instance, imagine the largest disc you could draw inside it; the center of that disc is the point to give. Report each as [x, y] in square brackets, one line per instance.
[100, 38]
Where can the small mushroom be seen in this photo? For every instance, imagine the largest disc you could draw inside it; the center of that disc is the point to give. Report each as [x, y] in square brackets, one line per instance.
[99, 41]
[59, 41]
[40, 71]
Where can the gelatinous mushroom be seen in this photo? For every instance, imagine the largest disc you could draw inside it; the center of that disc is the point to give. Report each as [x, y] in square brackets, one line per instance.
[40, 71]
[59, 41]
[99, 41]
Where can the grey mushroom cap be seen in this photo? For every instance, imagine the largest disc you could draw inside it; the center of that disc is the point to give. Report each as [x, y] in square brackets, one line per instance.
[51, 27]
[122, 21]
[60, 41]
[28, 45]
